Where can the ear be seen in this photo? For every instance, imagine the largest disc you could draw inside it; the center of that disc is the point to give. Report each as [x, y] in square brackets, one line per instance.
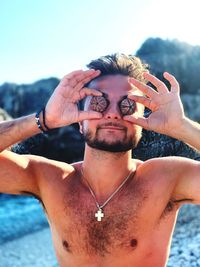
[81, 127]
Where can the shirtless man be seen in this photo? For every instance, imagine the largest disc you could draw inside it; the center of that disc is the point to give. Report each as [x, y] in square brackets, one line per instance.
[109, 210]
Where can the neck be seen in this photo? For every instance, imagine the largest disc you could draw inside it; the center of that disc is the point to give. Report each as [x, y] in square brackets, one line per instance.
[104, 171]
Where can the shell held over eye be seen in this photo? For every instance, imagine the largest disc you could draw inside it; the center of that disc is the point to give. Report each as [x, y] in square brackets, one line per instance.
[99, 103]
[127, 106]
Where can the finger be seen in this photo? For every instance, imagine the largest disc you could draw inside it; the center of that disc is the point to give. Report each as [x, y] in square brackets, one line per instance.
[91, 74]
[175, 88]
[89, 115]
[145, 101]
[76, 76]
[147, 90]
[67, 77]
[85, 80]
[160, 86]
[140, 121]
[89, 92]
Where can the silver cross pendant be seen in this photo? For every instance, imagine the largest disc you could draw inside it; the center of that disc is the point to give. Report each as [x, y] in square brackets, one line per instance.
[99, 215]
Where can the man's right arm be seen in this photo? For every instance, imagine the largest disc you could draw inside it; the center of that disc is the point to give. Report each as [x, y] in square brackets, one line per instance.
[16, 130]
[19, 172]
[16, 171]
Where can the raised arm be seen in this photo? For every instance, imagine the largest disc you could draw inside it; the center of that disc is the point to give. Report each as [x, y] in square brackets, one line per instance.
[168, 118]
[18, 172]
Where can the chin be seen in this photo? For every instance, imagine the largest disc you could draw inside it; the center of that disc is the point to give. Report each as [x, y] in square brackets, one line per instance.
[105, 144]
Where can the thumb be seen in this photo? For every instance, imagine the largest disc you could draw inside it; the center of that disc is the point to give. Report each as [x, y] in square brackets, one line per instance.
[89, 115]
[140, 121]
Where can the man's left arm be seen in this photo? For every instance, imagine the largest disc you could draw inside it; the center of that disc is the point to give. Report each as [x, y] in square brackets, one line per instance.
[168, 118]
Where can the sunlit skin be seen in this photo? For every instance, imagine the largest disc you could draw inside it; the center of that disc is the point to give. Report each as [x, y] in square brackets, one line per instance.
[138, 221]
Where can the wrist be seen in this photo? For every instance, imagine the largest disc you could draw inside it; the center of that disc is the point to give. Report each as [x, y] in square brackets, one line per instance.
[190, 133]
[183, 130]
[44, 119]
[40, 119]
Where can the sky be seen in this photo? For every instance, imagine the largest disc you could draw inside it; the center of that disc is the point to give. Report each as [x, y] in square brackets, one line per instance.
[50, 38]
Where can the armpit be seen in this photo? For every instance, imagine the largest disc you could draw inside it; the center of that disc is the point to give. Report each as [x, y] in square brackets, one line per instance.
[174, 205]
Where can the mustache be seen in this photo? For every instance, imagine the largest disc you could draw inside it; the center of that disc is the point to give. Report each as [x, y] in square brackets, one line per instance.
[114, 124]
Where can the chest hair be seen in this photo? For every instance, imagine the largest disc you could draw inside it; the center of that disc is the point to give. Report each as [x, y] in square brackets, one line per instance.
[116, 230]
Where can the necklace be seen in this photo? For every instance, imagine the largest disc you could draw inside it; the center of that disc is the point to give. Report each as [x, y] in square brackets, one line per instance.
[100, 214]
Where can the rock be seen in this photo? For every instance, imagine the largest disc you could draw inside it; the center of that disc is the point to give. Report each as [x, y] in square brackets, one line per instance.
[191, 103]
[65, 144]
[158, 145]
[175, 57]
[24, 99]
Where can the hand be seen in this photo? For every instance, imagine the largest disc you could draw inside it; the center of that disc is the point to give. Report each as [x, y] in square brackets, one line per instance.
[166, 106]
[62, 109]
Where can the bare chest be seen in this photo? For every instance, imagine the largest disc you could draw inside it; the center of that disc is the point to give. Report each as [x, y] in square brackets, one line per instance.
[118, 229]
[128, 217]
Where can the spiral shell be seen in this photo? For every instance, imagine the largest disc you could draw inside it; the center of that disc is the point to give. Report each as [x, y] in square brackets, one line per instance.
[127, 106]
[99, 103]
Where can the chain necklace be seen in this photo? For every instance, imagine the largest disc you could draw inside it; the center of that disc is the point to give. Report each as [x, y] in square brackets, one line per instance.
[100, 214]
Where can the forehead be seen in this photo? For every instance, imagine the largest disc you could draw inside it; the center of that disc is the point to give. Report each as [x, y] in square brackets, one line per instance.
[112, 84]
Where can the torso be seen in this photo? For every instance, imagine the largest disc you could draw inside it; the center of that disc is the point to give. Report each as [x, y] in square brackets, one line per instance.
[136, 230]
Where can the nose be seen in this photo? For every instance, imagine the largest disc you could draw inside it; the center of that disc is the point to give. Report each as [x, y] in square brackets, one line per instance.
[113, 112]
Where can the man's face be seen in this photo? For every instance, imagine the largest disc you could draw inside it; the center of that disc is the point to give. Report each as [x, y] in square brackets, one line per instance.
[112, 133]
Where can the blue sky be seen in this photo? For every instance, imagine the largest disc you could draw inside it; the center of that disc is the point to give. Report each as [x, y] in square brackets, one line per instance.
[44, 38]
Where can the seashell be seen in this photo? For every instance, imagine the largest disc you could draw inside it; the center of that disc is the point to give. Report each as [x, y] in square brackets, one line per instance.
[99, 103]
[127, 106]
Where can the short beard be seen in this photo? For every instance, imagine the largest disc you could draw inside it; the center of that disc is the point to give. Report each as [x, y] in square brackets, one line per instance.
[118, 146]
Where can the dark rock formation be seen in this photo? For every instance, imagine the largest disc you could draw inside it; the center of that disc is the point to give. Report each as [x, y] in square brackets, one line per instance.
[178, 58]
[24, 99]
[65, 144]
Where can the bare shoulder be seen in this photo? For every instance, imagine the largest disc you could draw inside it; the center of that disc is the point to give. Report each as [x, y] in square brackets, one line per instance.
[46, 170]
[45, 165]
[35, 161]
[173, 161]
[31, 173]
[169, 165]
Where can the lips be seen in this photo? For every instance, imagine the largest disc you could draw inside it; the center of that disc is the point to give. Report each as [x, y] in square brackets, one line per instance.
[112, 126]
